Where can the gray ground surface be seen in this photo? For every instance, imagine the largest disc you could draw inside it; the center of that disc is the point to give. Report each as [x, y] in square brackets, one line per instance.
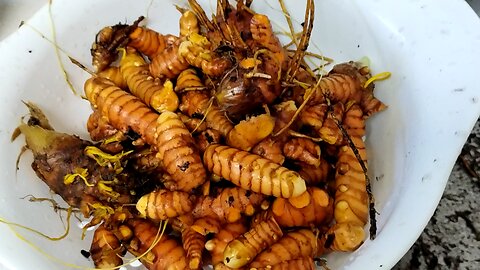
[452, 238]
[475, 5]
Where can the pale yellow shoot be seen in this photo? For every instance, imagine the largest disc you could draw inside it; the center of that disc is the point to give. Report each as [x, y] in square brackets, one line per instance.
[104, 159]
[378, 77]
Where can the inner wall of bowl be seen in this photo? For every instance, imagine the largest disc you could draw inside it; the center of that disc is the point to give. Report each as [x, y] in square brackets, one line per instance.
[39, 80]
[336, 37]
[351, 39]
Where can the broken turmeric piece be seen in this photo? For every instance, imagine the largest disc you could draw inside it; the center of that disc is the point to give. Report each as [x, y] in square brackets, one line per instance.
[249, 132]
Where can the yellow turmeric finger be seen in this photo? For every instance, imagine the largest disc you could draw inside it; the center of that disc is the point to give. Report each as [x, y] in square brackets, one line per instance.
[193, 243]
[159, 95]
[242, 250]
[219, 242]
[253, 172]
[294, 245]
[106, 248]
[163, 204]
[342, 237]
[319, 211]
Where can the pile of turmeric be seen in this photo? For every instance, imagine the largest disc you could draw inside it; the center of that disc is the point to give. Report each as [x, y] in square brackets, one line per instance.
[253, 158]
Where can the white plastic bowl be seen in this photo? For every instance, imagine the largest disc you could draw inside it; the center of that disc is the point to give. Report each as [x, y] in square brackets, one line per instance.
[431, 47]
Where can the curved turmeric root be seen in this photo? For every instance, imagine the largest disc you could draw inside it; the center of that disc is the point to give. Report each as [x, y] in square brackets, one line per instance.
[193, 103]
[217, 120]
[319, 211]
[351, 198]
[146, 161]
[188, 80]
[314, 115]
[159, 96]
[370, 104]
[114, 75]
[337, 87]
[367, 101]
[342, 237]
[354, 122]
[163, 204]
[99, 128]
[346, 83]
[188, 23]
[106, 249]
[293, 245]
[206, 138]
[165, 132]
[217, 245]
[176, 148]
[207, 225]
[342, 84]
[243, 249]
[197, 104]
[193, 243]
[107, 40]
[121, 109]
[166, 254]
[284, 112]
[181, 223]
[304, 150]
[253, 172]
[196, 51]
[314, 175]
[228, 205]
[329, 131]
[270, 148]
[264, 36]
[194, 125]
[148, 41]
[168, 63]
